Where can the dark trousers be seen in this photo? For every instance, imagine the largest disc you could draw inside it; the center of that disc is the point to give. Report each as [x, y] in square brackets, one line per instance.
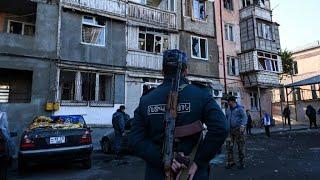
[314, 122]
[287, 119]
[117, 143]
[267, 128]
[248, 130]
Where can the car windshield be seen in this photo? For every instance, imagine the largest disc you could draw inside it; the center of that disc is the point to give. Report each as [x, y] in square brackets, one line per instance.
[58, 122]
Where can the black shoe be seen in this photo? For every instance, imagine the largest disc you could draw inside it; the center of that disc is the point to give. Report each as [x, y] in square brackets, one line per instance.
[229, 166]
[242, 166]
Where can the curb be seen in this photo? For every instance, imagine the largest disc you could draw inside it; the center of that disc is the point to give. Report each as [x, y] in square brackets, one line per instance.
[285, 130]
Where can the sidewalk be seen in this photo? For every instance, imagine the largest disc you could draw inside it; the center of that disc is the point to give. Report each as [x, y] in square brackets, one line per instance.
[280, 128]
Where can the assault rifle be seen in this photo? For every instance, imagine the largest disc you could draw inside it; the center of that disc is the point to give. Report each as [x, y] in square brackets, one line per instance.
[170, 118]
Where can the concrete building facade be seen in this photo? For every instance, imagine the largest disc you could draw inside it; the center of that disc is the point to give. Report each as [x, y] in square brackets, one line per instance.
[89, 57]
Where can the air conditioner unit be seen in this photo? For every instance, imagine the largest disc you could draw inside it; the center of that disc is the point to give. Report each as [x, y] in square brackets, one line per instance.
[236, 94]
[217, 93]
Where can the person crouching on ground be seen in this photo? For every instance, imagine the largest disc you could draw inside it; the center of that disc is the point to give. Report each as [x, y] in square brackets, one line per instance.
[237, 119]
[266, 121]
[118, 123]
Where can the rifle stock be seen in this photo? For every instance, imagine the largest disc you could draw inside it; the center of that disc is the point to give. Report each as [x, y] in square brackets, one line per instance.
[170, 118]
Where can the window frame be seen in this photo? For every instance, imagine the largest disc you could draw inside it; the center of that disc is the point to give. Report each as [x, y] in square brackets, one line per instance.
[95, 25]
[193, 10]
[254, 95]
[269, 62]
[236, 65]
[155, 34]
[23, 27]
[263, 31]
[227, 29]
[96, 101]
[199, 38]
[232, 5]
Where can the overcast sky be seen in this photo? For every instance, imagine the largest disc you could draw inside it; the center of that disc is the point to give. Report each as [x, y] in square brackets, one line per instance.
[299, 21]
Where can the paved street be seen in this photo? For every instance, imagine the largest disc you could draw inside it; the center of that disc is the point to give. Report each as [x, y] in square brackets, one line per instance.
[286, 155]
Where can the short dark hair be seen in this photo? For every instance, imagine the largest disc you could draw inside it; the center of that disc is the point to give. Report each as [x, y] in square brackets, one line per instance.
[232, 98]
[122, 107]
[171, 59]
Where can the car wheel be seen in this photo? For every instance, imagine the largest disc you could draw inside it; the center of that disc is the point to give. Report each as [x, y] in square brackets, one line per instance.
[106, 147]
[87, 163]
[22, 166]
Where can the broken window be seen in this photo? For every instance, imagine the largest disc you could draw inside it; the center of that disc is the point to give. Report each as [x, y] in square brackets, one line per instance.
[149, 42]
[105, 88]
[88, 85]
[199, 47]
[165, 43]
[142, 41]
[153, 41]
[254, 101]
[15, 86]
[199, 9]
[157, 44]
[268, 62]
[228, 4]
[93, 30]
[67, 85]
[233, 67]
[16, 27]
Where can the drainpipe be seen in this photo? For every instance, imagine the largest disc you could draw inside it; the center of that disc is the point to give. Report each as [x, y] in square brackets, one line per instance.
[222, 46]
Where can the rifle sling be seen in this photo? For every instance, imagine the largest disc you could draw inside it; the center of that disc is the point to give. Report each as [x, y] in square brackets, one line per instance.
[188, 130]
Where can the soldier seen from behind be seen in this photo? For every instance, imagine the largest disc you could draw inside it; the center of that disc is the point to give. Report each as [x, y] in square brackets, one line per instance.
[195, 107]
[312, 115]
[118, 123]
[237, 120]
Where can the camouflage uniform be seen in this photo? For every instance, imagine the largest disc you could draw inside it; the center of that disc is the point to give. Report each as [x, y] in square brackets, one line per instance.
[237, 118]
[236, 136]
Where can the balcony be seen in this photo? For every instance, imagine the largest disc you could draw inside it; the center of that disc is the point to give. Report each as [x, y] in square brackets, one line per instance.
[262, 79]
[260, 69]
[151, 15]
[107, 7]
[255, 11]
[144, 60]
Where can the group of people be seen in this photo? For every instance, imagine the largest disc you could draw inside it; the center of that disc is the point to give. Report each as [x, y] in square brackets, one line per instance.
[311, 113]
[195, 106]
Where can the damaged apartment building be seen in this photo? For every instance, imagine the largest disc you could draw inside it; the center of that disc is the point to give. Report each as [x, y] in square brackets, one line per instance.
[249, 45]
[89, 57]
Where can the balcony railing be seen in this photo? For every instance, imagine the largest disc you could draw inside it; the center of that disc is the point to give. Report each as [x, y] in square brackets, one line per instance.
[255, 11]
[151, 15]
[262, 79]
[113, 7]
[144, 60]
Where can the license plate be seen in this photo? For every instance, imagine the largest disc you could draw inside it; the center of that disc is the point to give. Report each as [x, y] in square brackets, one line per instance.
[57, 140]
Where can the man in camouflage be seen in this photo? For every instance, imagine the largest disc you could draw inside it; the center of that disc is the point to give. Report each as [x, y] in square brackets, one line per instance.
[237, 120]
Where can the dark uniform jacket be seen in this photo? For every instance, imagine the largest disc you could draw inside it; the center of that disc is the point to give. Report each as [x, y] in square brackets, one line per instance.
[195, 103]
[118, 121]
